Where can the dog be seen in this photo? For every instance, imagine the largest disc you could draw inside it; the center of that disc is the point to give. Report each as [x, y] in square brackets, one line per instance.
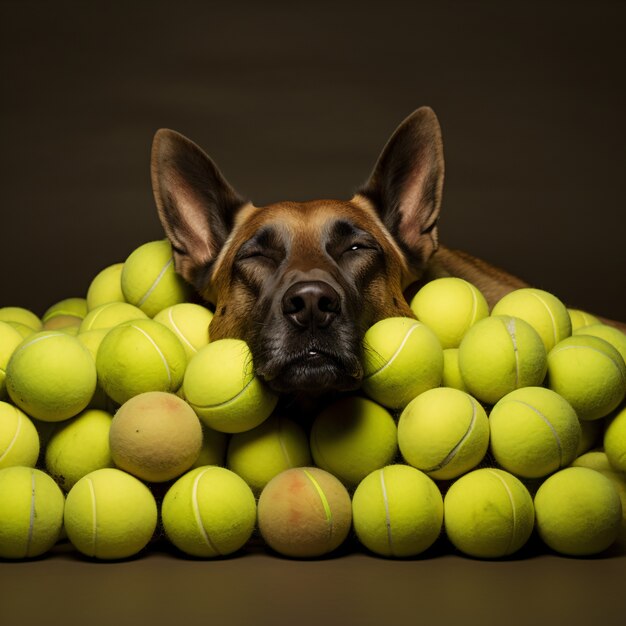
[301, 282]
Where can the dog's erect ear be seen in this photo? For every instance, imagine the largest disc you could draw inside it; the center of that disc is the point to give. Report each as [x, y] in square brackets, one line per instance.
[406, 186]
[196, 205]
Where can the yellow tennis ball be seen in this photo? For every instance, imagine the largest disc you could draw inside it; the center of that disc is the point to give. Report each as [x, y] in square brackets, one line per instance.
[9, 340]
[542, 310]
[488, 513]
[591, 432]
[534, 432]
[209, 512]
[92, 339]
[443, 432]
[110, 315]
[189, 322]
[79, 446]
[223, 389]
[20, 315]
[213, 450]
[51, 376]
[352, 437]
[397, 511]
[110, 514]
[449, 306]
[70, 307]
[578, 512]
[155, 436]
[259, 454]
[401, 358]
[19, 440]
[580, 319]
[613, 335]
[589, 373]
[615, 441]
[149, 280]
[317, 500]
[451, 371]
[106, 287]
[31, 515]
[500, 354]
[22, 329]
[140, 356]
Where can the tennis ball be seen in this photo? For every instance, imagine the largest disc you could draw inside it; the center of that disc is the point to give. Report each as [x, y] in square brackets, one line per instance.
[352, 437]
[149, 280]
[589, 373]
[213, 450]
[189, 322]
[155, 436]
[21, 316]
[22, 329]
[110, 514]
[578, 512]
[451, 371]
[106, 287]
[9, 340]
[222, 387]
[19, 440]
[209, 512]
[534, 432]
[316, 501]
[542, 310]
[259, 454]
[615, 441]
[397, 511]
[609, 333]
[110, 315]
[70, 307]
[140, 356]
[443, 432]
[51, 376]
[402, 358]
[79, 446]
[591, 432]
[31, 515]
[92, 339]
[580, 319]
[66, 323]
[449, 306]
[488, 513]
[500, 354]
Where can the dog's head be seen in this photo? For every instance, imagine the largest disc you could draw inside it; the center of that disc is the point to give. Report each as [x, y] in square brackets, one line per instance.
[302, 282]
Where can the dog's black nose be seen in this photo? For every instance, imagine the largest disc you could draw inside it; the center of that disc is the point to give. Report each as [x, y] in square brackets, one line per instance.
[311, 304]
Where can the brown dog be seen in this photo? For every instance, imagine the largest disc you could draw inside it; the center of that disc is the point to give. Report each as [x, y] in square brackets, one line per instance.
[301, 282]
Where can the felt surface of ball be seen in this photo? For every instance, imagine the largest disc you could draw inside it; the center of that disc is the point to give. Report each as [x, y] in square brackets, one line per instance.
[71, 307]
[79, 446]
[9, 340]
[449, 306]
[534, 432]
[397, 511]
[189, 322]
[589, 373]
[110, 315]
[402, 358]
[19, 440]
[155, 436]
[140, 356]
[213, 450]
[451, 371]
[319, 503]
[612, 335]
[580, 319]
[578, 512]
[541, 309]
[444, 432]
[106, 287]
[110, 515]
[259, 454]
[51, 376]
[615, 441]
[20, 315]
[209, 512]
[149, 280]
[222, 387]
[31, 515]
[499, 354]
[488, 513]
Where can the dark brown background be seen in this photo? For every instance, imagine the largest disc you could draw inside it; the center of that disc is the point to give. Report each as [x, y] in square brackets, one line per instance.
[296, 103]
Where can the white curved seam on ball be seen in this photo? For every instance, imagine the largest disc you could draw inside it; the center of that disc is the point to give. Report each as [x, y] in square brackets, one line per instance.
[94, 518]
[196, 512]
[510, 327]
[31, 520]
[153, 342]
[383, 486]
[179, 331]
[609, 357]
[554, 326]
[226, 402]
[40, 338]
[547, 421]
[513, 512]
[325, 505]
[397, 352]
[281, 441]
[474, 304]
[15, 436]
[148, 293]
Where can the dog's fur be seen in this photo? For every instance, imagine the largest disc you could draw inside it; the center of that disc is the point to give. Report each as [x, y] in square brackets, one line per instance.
[301, 282]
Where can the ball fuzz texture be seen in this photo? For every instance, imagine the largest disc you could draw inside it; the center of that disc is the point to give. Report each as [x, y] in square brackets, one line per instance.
[317, 500]
[615, 441]
[209, 512]
[110, 515]
[189, 322]
[578, 511]
[106, 287]
[19, 440]
[155, 436]
[397, 511]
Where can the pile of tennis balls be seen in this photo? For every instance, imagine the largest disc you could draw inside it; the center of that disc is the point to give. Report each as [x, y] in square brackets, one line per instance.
[122, 423]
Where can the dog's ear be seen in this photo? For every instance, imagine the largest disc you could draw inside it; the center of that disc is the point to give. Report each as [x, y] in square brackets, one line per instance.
[406, 186]
[196, 205]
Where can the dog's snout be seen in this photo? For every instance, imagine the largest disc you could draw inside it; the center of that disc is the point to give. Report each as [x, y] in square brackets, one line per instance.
[311, 304]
